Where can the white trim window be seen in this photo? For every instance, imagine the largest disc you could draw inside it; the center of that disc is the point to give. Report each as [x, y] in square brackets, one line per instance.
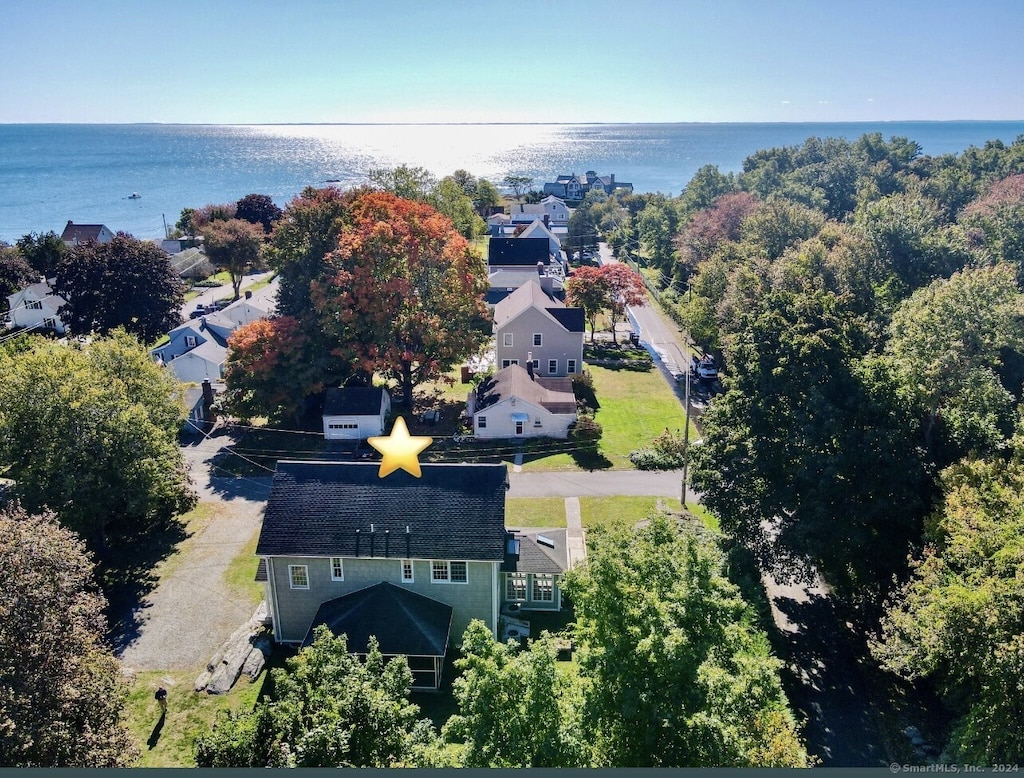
[481, 422]
[509, 362]
[507, 339]
[543, 587]
[298, 576]
[190, 341]
[538, 338]
[571, 369]
[552, 366]
[407, 571]
[515, 586]
[33, 305]
[337, 569]
[449, 572]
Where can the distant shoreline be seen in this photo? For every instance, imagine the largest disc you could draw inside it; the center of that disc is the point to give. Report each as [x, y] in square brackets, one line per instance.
[835, 122]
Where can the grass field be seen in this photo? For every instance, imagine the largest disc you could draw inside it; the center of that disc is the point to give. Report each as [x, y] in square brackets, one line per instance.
[535, 512]
[169, 742]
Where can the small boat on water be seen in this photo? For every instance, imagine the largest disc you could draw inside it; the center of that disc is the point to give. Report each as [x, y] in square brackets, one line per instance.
[134, 196]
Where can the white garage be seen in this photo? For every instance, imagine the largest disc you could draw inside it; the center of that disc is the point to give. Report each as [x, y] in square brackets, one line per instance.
[355, 413]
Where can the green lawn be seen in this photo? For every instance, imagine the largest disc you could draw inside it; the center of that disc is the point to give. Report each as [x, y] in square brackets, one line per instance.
[534, 511]
[169, 742]
[620, 511]
[634, 408]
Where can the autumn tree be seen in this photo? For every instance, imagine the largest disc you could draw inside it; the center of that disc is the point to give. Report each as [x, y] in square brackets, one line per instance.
[330, 709]
[125, 283]
[587, 288]
[672, 672]
[233, 244]
[625, 288]
[62, 692]
[91, 434]
[258, 209]
[266, 362]
[403, 292]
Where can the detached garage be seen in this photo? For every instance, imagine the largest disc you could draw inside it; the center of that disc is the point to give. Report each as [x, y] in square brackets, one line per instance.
[355, 413]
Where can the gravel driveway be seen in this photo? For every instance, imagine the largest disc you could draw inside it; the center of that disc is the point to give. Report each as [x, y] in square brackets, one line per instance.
[191, 613]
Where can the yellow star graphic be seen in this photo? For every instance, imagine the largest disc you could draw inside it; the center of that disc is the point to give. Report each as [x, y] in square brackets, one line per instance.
[399, 450]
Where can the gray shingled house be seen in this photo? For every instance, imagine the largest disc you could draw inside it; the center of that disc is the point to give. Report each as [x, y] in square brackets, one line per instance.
[409, 560]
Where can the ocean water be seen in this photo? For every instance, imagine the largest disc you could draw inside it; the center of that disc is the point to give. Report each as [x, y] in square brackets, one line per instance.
[50, 174]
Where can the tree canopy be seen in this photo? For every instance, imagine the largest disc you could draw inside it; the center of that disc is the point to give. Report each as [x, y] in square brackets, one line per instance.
[62, 692]
[258, 209]
[330, 709]
[90, 433]
[235, 245]
[125, 283]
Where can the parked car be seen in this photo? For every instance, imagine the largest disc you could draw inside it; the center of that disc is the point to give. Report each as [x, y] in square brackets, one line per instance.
[704, 366]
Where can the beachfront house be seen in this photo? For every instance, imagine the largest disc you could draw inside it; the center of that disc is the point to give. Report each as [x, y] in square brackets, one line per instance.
[532, 326]
[75, 234]
[575, 187]
[410, 560]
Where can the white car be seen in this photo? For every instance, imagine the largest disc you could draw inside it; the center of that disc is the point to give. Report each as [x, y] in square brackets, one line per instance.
[705, 367]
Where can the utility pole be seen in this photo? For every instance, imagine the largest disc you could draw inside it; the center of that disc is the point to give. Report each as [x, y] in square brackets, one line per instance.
[686, 435]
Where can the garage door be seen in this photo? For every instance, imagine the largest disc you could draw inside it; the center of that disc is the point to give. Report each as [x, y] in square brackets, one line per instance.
[343, 429]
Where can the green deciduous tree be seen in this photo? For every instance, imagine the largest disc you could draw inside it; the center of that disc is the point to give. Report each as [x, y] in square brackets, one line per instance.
[945, 342]
[43, 251]
[960, 618]
[449, 198]
[91, 434]
[61, 690]
[125, 283]
[407, 182]
[235, 245]
[672, 672]
[516, 709]
[330, 709]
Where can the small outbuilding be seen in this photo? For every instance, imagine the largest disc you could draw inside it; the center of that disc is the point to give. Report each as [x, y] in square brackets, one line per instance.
[355, 412]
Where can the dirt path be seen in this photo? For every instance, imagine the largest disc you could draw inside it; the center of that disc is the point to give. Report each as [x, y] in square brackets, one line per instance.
[192, 611]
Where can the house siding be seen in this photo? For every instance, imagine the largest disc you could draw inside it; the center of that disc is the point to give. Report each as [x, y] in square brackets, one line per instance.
[500, 423]
[294, 609]
[558, 344]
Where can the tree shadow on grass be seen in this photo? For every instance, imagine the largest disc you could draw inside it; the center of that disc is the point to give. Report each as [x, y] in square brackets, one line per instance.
[590, 458]
[127, 574]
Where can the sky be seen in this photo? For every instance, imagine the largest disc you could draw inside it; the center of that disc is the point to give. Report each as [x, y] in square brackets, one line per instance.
[561, 61]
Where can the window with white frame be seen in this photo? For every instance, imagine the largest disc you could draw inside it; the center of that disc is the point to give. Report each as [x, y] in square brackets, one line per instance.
[298, 576]
[190, 341]
[571, 368]
[515, 586]
[507, 362]
[552, 365]
[543, 587]
[407, 576]
[538, 339]
[448, 572]
[337, 569]
[34, 305]
[507, 339]
[481, 422]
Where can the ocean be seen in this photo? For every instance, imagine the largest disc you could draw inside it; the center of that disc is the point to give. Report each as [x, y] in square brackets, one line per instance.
[54, 173]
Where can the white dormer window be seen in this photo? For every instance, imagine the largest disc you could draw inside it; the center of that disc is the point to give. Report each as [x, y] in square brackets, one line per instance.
[190, 341]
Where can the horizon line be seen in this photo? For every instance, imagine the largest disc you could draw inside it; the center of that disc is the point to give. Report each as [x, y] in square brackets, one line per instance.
[502, 124]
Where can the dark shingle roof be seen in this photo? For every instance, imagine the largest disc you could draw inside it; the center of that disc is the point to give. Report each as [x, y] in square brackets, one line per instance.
[538, 557]
[518, 251]
[353, 401]
[403, 621]
[570, 318]
[454, 511]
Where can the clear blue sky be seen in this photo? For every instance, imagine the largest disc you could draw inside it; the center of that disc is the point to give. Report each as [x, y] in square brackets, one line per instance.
[249, 61]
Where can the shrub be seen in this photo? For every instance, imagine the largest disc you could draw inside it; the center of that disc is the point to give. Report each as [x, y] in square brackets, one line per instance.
[667, 452]
[585, 429]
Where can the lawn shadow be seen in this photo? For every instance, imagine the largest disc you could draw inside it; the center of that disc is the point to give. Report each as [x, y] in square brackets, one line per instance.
[590, 457]
[154, 736]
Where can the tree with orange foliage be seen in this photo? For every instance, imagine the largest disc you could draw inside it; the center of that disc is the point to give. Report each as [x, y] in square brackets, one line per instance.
[266, 373]
[610, 287]
[402, 294]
